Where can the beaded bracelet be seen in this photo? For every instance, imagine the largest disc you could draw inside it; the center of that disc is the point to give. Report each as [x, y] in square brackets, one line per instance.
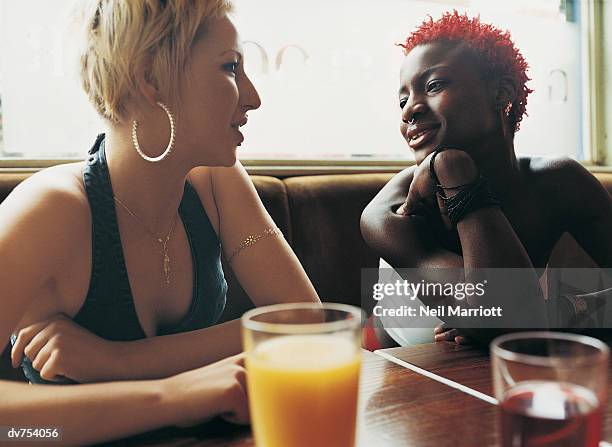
[252, 239]
[473, 197]
[469, 198]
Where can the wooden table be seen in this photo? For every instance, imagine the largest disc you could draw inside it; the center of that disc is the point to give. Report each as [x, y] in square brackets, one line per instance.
[398, 407]
[467, 369]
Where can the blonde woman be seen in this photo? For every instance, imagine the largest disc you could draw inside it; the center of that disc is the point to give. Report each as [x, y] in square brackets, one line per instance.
[126, 246]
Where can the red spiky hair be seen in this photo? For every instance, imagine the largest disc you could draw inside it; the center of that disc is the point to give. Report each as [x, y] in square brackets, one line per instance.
[496, 48]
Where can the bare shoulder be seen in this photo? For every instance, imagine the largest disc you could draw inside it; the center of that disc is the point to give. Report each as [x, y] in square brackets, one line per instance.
[200, 178]
[215, 183]
[51, 202]
[554, 168]
[235, 202]
[566, 182]
[229, 182]
[561, 174]
[59, 186]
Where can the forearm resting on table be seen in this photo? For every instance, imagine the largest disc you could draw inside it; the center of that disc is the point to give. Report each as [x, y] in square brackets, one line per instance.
[86, 413]
[166, 355]
[490, 249]
[488, 241]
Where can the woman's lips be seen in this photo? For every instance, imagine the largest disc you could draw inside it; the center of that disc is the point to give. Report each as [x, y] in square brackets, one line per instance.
[239, 135]
[422, 137]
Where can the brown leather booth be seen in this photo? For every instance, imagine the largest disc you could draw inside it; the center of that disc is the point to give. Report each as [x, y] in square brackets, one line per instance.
[319, 216]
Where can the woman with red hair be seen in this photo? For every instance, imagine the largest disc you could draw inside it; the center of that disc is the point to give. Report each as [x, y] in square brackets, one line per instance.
[470, 202]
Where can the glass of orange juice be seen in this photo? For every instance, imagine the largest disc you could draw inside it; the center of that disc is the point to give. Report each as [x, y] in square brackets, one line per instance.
[303, 362]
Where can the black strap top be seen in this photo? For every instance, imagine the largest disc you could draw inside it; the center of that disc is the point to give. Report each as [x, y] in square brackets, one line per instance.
[108, 310]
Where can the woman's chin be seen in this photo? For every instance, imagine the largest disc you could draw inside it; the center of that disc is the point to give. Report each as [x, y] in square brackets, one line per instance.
[225, 159]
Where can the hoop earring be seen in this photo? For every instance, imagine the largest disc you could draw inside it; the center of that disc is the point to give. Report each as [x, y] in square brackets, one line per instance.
[170, 143]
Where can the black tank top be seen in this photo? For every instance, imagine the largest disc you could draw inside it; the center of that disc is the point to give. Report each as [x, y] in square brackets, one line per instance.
[108, 310]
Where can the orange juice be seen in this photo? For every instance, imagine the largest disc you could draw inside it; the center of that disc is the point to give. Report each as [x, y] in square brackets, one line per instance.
[303, 391]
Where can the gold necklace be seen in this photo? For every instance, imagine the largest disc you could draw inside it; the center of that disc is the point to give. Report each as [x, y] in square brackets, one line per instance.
[162, 240]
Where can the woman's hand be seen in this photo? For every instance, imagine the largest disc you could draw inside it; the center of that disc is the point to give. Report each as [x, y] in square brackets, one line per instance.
[421, 194]
[443, 333]
[453, 168]
[60, 347]
[218, 389]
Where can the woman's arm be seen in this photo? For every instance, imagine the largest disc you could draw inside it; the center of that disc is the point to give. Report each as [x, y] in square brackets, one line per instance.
[35, 229]
[163, 356]
[487, 238]
[86, 413]
[268, 271]
[100, 412]
[60, 347]
[406, 240]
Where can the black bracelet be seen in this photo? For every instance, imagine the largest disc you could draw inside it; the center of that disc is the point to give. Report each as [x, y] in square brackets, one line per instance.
[475, 196]
[470, 197]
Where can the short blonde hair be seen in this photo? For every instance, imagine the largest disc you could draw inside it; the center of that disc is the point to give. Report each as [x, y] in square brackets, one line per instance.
[122, 35]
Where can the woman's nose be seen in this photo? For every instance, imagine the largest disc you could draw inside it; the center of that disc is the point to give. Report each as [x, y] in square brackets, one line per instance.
[412, 111]
[249, 97]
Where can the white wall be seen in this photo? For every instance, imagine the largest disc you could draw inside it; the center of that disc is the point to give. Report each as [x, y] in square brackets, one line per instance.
[342, 102]
[45, 112]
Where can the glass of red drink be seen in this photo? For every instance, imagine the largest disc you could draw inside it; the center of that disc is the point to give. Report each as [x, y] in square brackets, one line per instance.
[551, 388]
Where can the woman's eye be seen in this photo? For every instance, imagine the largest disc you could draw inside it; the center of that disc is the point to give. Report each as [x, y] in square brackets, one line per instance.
[403, 102]
[231, 67]
[434, 86]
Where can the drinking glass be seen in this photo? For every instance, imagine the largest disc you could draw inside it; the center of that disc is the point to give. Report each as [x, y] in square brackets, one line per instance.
[551, 388]
[303, 362]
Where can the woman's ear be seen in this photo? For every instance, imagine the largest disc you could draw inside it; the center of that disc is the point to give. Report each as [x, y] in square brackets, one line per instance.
[146, 84]
[505, 92]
